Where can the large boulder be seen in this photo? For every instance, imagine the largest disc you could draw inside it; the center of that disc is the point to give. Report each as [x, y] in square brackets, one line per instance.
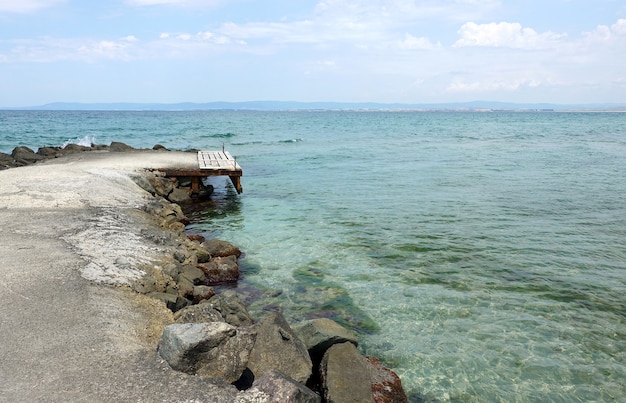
[25, 156]
[214, 350]
[278, 348]
[221, 270]
[117, 146]
[320, 334]
[49, 152]
[386, 384]
[281, 388]
[232, 308]
[345, 375]
[219, 248]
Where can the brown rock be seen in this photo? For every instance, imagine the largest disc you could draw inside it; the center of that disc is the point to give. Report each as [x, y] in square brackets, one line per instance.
[219, 248]
[221, 270]
[196, 238]
[386, 384]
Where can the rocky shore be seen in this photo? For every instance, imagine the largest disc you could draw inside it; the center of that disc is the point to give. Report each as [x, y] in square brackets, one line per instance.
[144, 252]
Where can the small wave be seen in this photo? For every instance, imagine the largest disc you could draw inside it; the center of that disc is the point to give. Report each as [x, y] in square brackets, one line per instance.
[291, 140]
[86, 141]
[226, 135]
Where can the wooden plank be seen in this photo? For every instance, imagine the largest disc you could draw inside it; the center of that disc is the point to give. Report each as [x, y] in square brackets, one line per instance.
[217, 160]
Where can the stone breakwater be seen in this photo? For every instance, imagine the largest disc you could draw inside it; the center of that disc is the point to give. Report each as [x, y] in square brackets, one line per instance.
[212, 335]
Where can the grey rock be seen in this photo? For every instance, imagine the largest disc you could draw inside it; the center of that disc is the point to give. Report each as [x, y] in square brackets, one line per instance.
[192, 273]
[144, 183]
[202, 293]
[179, 195]
[232, 308]
[25, 156]
[199, 313]
[117, 146]
[320, 334]
[345, 375]
[201, 253]
[215, 350]
[228, 361]
[6, 160]
[183, 344]
[74, 148]
[49, 152]
[162, 186]
[278, 347]
[281, 388]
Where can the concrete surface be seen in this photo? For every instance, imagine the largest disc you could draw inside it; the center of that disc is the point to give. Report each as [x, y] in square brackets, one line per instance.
[69, 329]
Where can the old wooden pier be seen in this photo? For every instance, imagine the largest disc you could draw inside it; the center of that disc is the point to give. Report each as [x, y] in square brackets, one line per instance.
[210, 163]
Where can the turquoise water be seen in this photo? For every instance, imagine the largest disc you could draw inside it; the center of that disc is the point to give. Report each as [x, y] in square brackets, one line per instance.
[482, 256]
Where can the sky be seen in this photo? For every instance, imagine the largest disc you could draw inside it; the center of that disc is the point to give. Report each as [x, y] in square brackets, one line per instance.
[387, 51]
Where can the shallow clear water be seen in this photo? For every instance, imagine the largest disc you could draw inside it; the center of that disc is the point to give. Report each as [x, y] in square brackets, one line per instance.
[482, 256]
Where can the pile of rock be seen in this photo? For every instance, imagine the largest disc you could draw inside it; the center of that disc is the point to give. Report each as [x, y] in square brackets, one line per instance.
[314, 361]
[214, 335]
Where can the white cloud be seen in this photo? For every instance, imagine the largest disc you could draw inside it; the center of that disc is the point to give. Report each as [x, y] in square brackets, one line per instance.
[604, 33]
[411, 42]
[506, 35]
[27, 6]
[459, 85]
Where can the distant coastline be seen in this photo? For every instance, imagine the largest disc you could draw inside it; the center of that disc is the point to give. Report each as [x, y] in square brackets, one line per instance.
[475, 106]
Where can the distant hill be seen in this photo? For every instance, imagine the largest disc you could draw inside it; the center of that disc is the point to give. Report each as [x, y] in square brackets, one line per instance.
[289, 105]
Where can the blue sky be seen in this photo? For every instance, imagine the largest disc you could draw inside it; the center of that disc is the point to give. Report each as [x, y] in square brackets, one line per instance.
[409, 51]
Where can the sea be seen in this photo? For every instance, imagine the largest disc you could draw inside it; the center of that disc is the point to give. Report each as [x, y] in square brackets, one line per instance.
[480, 255]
